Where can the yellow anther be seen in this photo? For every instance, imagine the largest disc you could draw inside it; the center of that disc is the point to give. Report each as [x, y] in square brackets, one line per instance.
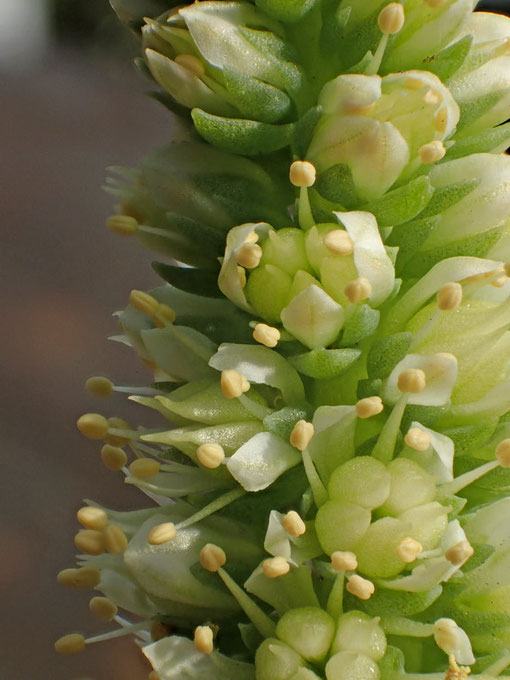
[117, 424]
[191, 64]
[504, 49]
[92, 518]
[212, 557]
[358, 290]
[164, 315]
[93, 426]
[252, 237]
[360, 587]
[344, 561]
[293, 524]
[500, 281]
[90, 541]
[431, 98]
[432, 152]
[154, 675]
[338, 242]
[409, 549]
[70, 644]
[417, 439]
[143, 302]
[302, 174]
[456, 672]
[391, 18]
[85, 577]
[266, 335]
[449, 296]
[503, 453]
[241, 274]
[103, 608]
[113, 458]
[441, 120]
[249, 255]
[275, 567]
[144, 467]
[434, 3]
[412, 380]
[116, 540]
[414, 84]
[162, 533]
[459, 553]
[99, 386]
[233, 384]
[203, 639]
[159, 630]
[122, 224]
[368, 407]
[301, 434]
[210, 455]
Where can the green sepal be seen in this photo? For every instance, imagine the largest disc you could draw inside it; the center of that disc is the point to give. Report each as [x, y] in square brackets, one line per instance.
[197, 281]
[332, 33]
[370, 387]
[471, 437]
[286, 10]
[304, 129]
[472, 110]
[391, 666]
[360, 325]
[325, 363]
[256, 99]
[448, 61]
[241, 136]
[445, 197]
[455, 503]
[402, 204]
[428, 416]
[282, 422]
[410, 236]
[496, 139]
[337, 185]
[386, 353]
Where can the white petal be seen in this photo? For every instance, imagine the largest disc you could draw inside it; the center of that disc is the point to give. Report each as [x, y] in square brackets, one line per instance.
[441, 374]
[313, 317]
[348, 92]
[440, 464]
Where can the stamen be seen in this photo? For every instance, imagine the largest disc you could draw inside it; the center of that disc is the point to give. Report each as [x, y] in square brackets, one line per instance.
[115, 439]
[338, 242]
[432, 152]
[113, 457]
[293, 524]
[143, 302]
[499, 282]
[241, 273]
[385, 446]
[122, 224]
[211, 455]
[451, 488]
[456, 672]
[412, 380]
[162, 533]
[127, 629]
[266, 335]
[233, 384]
[203, 639]
[191, 64]
[70, 644]
[358, 290]
[252, 237]
[503, 453]
[249, 255]
[92, 518]
[116, 540]
[431, 98]
[144, 467]
[344, 561]
[369, 406]
[212, 557]
[84, 577]
[449, 296]
[90, 541]
[360, 587]
[99, 386]
[391, 18]
[163, 316]
[409, 549]
[301, 434]
[211, 508]
[418, 439]
[302, 174]
[103, 608]
[154, 675]
[275, 567]
[414, 84]
[459, 553]
[92, 426]
[441, 120]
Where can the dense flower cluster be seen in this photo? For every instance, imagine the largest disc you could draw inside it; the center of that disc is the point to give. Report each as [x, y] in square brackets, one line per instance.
[329, 352]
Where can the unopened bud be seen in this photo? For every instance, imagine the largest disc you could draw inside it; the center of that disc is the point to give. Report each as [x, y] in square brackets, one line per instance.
[275, 567]
[358, 290]
[302, 174]
[212, 557]
[391, 18]
[412, 380]
[301, 434]
[344, 561]
[293, 524]
[449, 296]
[368, 407]
[432, 152]
[417, 439]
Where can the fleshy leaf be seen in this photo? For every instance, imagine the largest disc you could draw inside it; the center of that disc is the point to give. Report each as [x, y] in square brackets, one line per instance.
[325, 363]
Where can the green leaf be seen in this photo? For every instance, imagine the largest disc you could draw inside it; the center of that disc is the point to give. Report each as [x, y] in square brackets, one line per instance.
[396, 603]
[337, 185]
[286, 10]
[325, 363]
[448, 61]
[196, 281]
[304, 129]
[495, 140]
[360, 325]
[241, 136]
[403, 204]
[473, 109]
[256, 99]
[410, 236]
[369, 387]
[386, 353]
[445, 197]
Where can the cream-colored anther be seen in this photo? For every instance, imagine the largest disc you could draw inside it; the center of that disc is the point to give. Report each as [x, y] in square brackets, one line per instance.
[408, 550]
[92, 426]
[358, 290]
[212, 557]
[293, 524]
[113, 458]
[144, 467]
[456, 672]
[302, 174]
[252, 237]
[92, 518]
[369, 406]
[506, 268]
[500, 281]
[233, 384]
[391, 18]
[122, 224]
[449, 296]
[203, 639]
[275, 567]
[103, 608]
[431, 98]
[191, 64]
[360, 587]
[249, 255]
[115, 423]
[412, 380]
[434, 3]
[164, 315]
[143, 302]
[116, 540]
[344, 561]
[90, 541]
[266, 335]
[301, 434]
[414, 84]
[418, 439]
[162, 533]
[441, 120]
[338, 242]
[503, 453]
[432, 152]
[99, 386]
[210, 455]
[85, 577]
[241, 275]
[70, 644]
[459, 553]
